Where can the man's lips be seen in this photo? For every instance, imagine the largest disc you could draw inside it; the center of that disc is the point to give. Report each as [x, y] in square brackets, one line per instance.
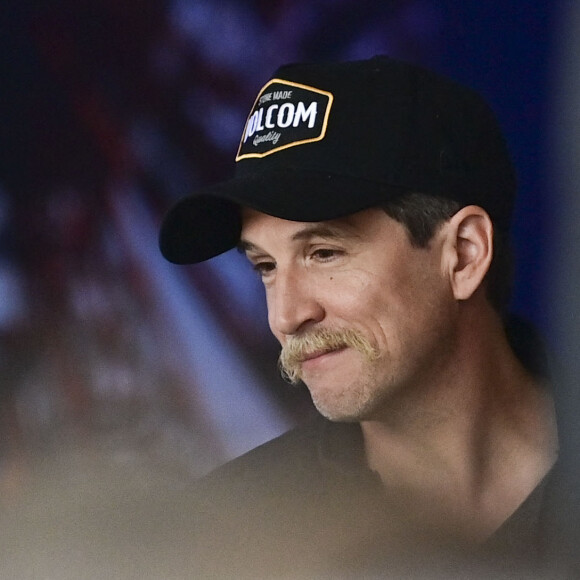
[319, 353]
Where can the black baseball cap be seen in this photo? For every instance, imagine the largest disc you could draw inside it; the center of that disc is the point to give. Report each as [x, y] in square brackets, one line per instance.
[327, 140]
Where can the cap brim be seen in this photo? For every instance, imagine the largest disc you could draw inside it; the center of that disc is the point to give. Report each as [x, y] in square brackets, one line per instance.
[209, 223]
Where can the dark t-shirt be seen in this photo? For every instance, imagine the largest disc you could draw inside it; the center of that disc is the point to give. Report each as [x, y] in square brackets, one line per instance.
[305, 505]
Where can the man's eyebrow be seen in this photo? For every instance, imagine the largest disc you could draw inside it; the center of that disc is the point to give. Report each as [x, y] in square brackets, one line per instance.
[244, 246]
[324, 230]
[321, 230]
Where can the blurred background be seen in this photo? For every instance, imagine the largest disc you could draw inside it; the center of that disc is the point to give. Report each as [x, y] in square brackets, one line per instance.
[123, 376]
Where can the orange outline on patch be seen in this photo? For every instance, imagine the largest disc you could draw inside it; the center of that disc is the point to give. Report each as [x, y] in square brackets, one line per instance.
[294, 143]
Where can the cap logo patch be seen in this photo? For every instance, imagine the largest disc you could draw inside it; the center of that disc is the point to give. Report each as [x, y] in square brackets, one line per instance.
[284, 115]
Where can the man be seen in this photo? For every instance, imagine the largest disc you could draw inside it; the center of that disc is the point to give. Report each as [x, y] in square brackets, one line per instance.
[374, 199]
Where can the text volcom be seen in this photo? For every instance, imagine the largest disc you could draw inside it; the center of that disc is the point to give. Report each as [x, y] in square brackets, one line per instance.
[281, 116]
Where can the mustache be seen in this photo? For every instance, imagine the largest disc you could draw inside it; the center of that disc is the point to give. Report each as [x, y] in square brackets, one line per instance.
[301, 347]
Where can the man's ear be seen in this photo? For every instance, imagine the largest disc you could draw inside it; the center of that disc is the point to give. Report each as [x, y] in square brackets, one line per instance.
[469, 250]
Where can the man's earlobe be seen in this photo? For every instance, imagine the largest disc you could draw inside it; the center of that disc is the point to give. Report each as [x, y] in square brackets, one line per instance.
[472, 232]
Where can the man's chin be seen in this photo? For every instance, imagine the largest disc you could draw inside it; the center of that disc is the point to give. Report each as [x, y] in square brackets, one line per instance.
[340, 410]
[340, 418]
[343, 387]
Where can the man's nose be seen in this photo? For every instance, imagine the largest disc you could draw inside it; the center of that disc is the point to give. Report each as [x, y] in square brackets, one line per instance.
[293, 303]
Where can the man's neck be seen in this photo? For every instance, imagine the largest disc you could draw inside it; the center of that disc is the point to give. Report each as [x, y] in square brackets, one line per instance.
[468, 449]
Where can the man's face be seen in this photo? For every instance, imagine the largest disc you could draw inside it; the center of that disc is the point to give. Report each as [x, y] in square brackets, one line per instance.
[379, 311]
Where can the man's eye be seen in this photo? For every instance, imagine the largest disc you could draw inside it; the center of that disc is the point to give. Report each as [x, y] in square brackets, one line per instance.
[325, 254]
[263, 268]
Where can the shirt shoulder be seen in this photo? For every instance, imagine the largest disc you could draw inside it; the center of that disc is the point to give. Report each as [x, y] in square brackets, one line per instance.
[287, 504]
[286, 456]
